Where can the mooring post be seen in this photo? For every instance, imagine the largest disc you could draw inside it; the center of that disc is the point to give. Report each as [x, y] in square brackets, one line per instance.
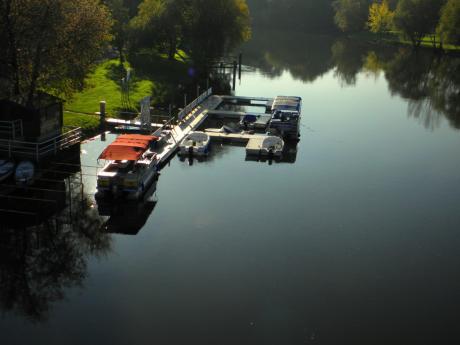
[234, 75]
[102, 107]
[185, 100]
[240, 62]
[197, 90]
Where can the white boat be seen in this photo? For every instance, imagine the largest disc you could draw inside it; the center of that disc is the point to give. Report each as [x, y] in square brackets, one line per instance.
[24, 174]
[131, 167]
[267, 145]
[272, 146]
[196, 143]
[6, 170]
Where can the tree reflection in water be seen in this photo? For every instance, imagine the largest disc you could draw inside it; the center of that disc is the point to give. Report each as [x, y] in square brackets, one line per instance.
[430, 82]
[38, 264]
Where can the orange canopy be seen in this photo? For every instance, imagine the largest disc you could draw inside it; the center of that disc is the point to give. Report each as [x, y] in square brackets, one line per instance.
[128, 147]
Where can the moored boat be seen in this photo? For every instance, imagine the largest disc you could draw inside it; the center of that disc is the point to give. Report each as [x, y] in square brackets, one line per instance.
[131, 167]
[24, 174]
[6, 170]
[196, 143]
[286, 114]
[270, 146]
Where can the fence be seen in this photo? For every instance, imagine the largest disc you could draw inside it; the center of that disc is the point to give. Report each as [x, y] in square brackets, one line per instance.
[37, 150]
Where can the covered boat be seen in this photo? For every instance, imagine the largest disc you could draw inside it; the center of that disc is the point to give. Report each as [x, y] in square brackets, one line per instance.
[196, 143]
[286, 114]
[24, 174]
[272, 146]
[266, 145]
[131, 168]
[6, 170]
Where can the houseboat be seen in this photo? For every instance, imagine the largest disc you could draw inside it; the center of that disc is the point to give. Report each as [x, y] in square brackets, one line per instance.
[286, 114]
[131, 167]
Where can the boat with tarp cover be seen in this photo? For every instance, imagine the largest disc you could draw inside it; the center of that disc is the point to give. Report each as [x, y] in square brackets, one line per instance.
[131, 167]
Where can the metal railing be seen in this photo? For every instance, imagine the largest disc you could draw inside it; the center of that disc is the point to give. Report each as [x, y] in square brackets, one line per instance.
[194, 104]
[37, 150]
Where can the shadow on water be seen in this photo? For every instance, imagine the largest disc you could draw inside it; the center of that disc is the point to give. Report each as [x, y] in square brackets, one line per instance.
[39, 263]
[429, 81]
[127, 218]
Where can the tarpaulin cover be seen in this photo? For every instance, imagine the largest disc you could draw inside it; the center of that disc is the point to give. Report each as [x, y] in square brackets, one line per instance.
[129, 147]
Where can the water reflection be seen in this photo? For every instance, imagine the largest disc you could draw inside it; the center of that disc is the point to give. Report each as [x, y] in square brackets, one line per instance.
[39, 263]
[127, 218]
[430, 82]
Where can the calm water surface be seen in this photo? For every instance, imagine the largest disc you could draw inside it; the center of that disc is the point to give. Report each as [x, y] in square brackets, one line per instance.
[354, 243]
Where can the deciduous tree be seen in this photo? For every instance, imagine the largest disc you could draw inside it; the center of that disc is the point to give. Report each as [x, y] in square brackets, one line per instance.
[351, 15]
[417, 18]
[449, 24]
[49, 44]
[380, 17]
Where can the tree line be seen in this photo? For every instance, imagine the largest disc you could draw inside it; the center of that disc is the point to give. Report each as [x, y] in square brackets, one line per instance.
[414, 19]
[52, 44]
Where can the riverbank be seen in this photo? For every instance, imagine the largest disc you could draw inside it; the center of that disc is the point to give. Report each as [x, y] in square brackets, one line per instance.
[105, 84]
[394, 38]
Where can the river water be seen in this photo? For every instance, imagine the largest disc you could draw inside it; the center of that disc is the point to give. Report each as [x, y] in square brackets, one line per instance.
[355, 242]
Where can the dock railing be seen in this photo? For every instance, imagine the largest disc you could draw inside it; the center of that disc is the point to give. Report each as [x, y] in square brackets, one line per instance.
[37, 150]
[169, 124]
[194, 104]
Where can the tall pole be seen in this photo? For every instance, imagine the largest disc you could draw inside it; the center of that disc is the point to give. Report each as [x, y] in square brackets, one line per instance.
[102, 109]
[234, 75]
[240, 62]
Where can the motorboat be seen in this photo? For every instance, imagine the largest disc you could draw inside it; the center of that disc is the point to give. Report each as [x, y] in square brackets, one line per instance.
[6, 170]
[25, 172]
[132, 166]
[266, 145]
[272, 146]
[196, 143]
[286, 114]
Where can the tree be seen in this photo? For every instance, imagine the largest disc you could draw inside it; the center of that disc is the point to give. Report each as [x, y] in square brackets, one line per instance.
[417, 18]
[449, 24]
[380, 17]
[203, 28]
[120, 16]
[215, 27]
[351, 15]
[160, 24]
[49, 44]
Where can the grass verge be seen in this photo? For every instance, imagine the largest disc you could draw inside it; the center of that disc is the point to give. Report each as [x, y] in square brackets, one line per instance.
[104, 84]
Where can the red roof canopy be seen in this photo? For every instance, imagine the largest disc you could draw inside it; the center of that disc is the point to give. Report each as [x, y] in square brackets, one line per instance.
[128, 147]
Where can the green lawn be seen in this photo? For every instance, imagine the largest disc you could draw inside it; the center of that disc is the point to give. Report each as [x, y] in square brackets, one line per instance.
[394, 37]
[104, 85]
[88, 123]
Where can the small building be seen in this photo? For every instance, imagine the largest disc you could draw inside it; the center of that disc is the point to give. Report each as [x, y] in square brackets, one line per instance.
[41, 121]
[34, 131]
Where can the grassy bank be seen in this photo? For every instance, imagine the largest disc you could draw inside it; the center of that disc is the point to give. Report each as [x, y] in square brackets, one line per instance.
[395, 38]
[104, 84]
[88, 123]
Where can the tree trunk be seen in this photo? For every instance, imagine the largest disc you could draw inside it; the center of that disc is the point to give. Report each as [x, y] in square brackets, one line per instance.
[13, 53]
[172, 47]
[34, 76]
